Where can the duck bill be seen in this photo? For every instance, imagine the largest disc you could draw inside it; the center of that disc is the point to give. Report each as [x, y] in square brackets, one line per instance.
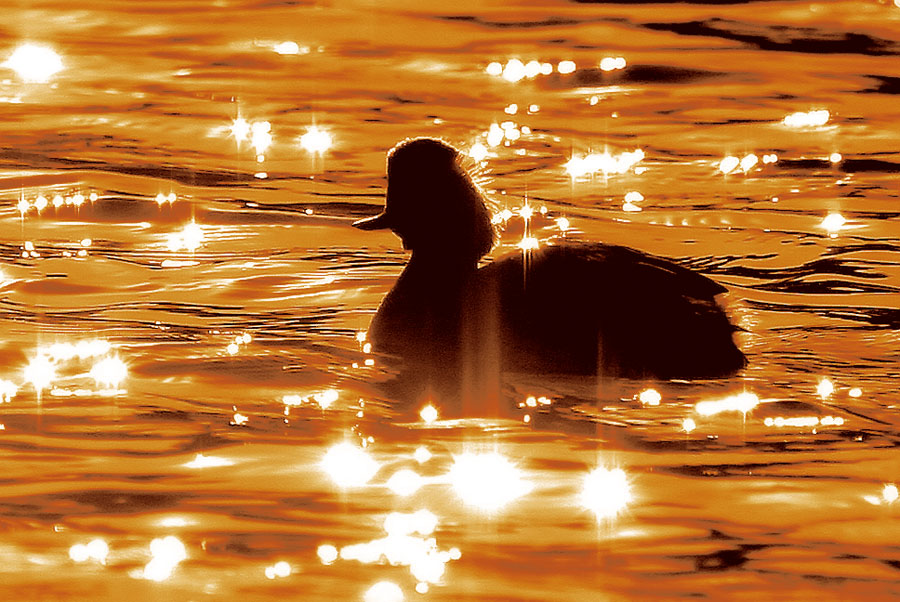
[376, 222]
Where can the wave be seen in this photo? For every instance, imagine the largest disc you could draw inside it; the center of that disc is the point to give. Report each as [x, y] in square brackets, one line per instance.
[783, 38]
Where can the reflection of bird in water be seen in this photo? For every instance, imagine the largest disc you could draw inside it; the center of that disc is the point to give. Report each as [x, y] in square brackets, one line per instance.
[572, 308]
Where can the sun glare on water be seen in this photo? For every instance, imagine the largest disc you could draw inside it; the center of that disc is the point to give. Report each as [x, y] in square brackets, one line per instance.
[478, 152]
[316, 140]
[529, 243]
[189, 238]
[409, 541]
[109, 372]
[261, 136]
[167, 553]
[279, 569]
[34, 63]
[890, 493]
[240, 129]
[40, 372]
[201, 461]
[428, 414]
[605, 492]
[96, 550]
[742, 402]
[803, 421]
[606, 163]
[384, 591]
[349, 465]
[833, 223]
[650, 397]
[748, 162]
[807, 119]
[8, 390]
[487, 481]
[405, 482]
[289, 47]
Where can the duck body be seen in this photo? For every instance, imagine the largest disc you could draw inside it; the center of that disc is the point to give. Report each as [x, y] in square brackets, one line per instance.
[569, 308]
[572, 308]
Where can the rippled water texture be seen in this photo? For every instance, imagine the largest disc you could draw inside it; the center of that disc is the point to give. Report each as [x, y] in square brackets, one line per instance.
[188, 448]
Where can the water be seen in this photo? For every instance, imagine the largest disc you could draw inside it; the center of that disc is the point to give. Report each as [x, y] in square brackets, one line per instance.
[791, 500]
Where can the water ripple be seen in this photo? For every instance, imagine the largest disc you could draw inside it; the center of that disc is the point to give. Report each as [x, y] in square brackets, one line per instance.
[783, 38]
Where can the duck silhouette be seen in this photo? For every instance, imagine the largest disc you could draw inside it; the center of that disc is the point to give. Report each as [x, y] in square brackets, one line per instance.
[568, 308]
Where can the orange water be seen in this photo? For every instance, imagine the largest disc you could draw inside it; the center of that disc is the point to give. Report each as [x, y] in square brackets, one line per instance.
[737, 508]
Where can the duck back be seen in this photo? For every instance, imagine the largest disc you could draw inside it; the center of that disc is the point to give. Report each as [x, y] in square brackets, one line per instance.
[612, 310]
[565, 309]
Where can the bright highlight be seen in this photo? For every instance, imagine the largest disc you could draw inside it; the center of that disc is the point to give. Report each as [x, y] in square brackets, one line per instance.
[605, 492]
[316, 140]
[34, 64]
[487, 481]
[603, 162]
[349, 466]
[742, 402]
[808, 119]
[167, 553]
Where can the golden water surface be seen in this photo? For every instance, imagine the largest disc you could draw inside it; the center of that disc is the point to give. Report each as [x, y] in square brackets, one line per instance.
[189, 408]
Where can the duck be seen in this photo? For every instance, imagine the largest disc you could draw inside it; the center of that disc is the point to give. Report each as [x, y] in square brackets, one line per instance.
[580, 308]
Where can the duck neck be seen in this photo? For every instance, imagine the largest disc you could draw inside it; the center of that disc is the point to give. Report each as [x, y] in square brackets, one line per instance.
[440, 266]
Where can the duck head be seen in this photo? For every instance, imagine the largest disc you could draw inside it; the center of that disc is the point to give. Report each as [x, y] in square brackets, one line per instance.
[432, 204]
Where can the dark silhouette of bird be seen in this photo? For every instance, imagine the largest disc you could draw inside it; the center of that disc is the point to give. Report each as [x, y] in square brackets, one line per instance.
[568, 308]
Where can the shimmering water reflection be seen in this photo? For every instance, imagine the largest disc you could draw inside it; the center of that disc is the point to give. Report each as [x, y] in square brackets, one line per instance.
[190, 406]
